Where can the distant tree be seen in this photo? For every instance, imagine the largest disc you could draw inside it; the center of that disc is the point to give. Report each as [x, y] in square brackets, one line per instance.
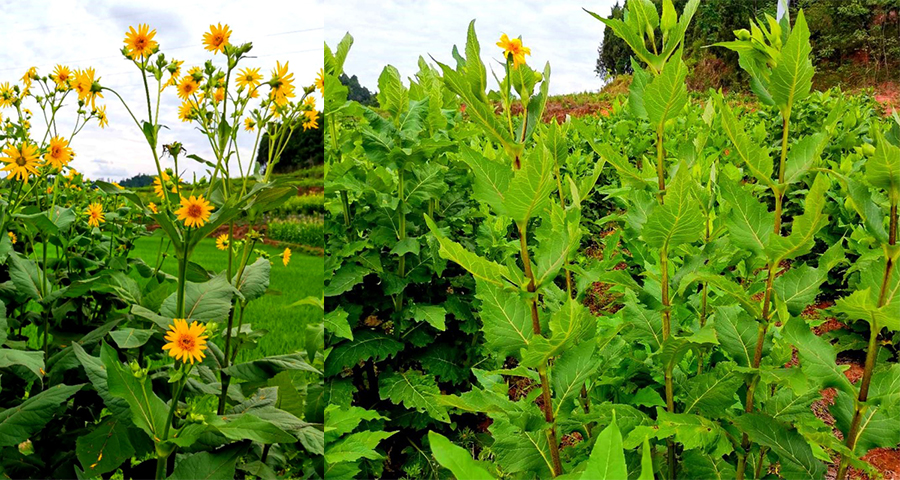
[139, 180]
[305, 149]
[358, 92]
[614, 54]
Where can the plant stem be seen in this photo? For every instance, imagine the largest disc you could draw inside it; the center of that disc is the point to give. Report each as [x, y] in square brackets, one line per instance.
[401, 236]
[660, 163]
[182, 274]
[161, 460]
[860, 406]
[542, 370]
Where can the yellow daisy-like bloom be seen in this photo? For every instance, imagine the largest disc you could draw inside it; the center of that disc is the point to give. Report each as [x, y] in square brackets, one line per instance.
[310, 102]
[187, 87]
[26, 125]
[140, 42]
[222, 241]
[320, 81]
[217, 37]
[219, 94]
[282, 84]
[286, 256]
[174, 72]
[248, 77]
[21, 162]
[312, 118]
[84, 84]
[513, 49]
[30, 75]
[158, 186]
[185, 111]
[152, 207]
[194, 211]
[50, 190]
[95, 214]
[101, 116]
[7, 96]
[249, 124]
[58, 153]
[12, 237]
[61, 76]
[186, 343]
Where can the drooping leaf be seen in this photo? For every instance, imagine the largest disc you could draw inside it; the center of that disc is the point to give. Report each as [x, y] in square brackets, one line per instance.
[414, 390]
[456, 459]
[105, 448]
[218, 464]
[19, 423]
[782, 439]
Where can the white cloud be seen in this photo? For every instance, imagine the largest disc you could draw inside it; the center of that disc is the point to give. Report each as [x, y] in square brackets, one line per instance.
[398, 32]
[82, 34]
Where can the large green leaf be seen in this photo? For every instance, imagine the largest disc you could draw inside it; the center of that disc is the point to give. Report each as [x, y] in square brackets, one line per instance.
[414, 390]
[570, 371]
[365, 345]
[393, 97]
[255, 280]
[456, 459]
[26, 276]
[19, 423]
[804, 227]
[105, 448]
[355, 446]
[737, 333]
[679, 220]
[529, 190]
[784, 440]
[33, 361]
[607, 460]
[342, 420]
[480, 268]
[266, 368]
[505, 318]
[218, 464]
[97, 374]
[817, 356]
[246, 426]
[666, 95]
[208, 301]
[130, 337]
[491, 178]
[791, 79]
[749, 223]
[883, 168]
[336, 323]
[757, 159]
[148, 411]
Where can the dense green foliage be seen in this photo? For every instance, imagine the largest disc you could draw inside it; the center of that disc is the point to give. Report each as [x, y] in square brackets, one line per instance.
[461, 249]
[303, 150]
[309, 232]
[854, 42]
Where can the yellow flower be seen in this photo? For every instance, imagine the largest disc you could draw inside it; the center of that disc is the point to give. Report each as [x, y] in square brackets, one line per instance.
[282, 84]
[310, 102]
[158, 186]
[187, 87]
[50, 190]
[58, 153]
[219, 95]
[312, 117]
[286, 256]
[72, 173]
[513, 49]
[95, 214]
[185, 111]
[115, 184]
[140, 42]
[174, 71]
[101, 116]
[87, 87]
[320, 81]
[12, 237]
[61, 75]
[30, 75]
[186, 343]
[153, 208]
[194, 211]
[7, 96]
[21, 162]
[222, 241]
[249, 124]
[26, 125]
[217, 37]
[248, 77]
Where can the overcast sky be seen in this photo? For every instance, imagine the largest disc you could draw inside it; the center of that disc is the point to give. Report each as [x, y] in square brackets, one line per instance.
[398, 32]
[82, 34]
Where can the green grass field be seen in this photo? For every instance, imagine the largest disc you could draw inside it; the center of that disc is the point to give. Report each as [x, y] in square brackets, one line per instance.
[286, 325]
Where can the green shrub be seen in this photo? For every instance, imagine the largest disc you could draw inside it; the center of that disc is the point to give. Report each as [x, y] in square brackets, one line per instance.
[313, 205]
[310, 232]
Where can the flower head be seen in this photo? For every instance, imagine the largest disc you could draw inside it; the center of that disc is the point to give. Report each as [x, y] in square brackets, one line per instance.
[186, 111]
[61, 76]
[249, 124]
[282, 84]
[187, 87]
[21, 161]
[186, 343]
[140, 43]
[310, 118]
[159, 186]
[95, 214]
[152, 207]
[101, 116]
[513, 50]
[320, 81]
[87, 86]
[58, 153]
[12, 237]
[222, 241]
[194, 211]
[249, 77]
[7, 95]
[217, 38]
[286, 256]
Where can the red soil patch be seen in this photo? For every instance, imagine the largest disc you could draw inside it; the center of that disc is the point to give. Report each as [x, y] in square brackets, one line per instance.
[888, 95]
